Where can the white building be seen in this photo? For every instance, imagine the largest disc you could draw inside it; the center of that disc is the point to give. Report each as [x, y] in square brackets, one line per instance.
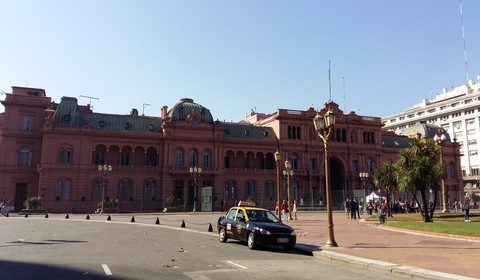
[458, 112]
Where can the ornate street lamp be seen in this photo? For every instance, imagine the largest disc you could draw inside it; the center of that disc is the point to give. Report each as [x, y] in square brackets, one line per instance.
[439, 141]
[324, 127]
[363, 177]
[195, 172]
[277, 161]
[288, 172]
[104, 169]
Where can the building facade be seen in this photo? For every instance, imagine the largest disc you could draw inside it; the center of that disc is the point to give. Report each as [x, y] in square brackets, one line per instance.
[458, 112]
[54, 150]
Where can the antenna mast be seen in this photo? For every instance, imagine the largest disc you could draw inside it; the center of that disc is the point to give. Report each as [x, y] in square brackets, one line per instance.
[329, 83]
[143, 110]
[464, 41]
[89, 99]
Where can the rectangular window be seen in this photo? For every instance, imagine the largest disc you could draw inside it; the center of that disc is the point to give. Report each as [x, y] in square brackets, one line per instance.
[472, 132]
[206, 160]
[149, 190]
[97, 189]
[125, 190]
[313, 164]
[355, 166]
[63, 189]
[27, 122]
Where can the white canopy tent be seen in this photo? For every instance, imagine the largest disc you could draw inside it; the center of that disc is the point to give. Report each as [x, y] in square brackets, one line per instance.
[375, 197]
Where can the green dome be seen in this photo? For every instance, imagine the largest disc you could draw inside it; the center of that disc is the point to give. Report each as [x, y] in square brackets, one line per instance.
[186, 107]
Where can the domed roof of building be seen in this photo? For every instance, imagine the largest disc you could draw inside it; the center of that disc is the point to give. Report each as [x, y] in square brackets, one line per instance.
[425, 130]
[186, 108]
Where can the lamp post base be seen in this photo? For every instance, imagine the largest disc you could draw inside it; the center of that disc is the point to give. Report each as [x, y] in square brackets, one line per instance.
[331, 243]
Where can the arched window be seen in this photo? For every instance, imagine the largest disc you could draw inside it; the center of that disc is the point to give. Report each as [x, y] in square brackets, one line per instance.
[64, 156]
[451, 170]
[179, 158]
[24, 157]
[206, 159]
[193, 158]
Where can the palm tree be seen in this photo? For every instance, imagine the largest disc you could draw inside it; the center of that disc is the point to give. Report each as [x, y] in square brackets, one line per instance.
[386, 177]
[419, 171]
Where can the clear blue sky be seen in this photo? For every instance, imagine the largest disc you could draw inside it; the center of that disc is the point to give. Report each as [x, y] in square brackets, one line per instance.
[235, 56]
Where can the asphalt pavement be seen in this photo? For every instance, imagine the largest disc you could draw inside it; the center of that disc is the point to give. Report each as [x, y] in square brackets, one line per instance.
[367, 245]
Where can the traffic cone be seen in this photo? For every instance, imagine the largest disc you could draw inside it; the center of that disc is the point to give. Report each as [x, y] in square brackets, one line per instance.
[183, 223]
[132, 220]
[210, 228]
[109, 218]
[157, 222]
[88, 217]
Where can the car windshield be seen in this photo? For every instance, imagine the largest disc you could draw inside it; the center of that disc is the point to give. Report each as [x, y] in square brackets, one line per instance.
[262, 216]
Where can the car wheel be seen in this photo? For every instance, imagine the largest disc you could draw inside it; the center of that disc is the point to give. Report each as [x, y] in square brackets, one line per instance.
[222, 235]
[251, 240]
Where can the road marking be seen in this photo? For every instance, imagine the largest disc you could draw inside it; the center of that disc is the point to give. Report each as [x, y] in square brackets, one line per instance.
[237, 265]
[106, 269]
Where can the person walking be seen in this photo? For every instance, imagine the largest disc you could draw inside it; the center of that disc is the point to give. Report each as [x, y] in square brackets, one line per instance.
[353, 209]
[294, 210]
[284, 211]
[347, 205]
[466, 209]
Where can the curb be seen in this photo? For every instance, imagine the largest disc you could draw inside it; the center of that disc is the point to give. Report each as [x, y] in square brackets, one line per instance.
[380, 266]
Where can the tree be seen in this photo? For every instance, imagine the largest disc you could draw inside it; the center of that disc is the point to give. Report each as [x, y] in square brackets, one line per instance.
[386, 177]
[420, 170]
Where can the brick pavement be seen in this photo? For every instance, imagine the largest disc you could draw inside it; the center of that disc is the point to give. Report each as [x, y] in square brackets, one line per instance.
[373, 246]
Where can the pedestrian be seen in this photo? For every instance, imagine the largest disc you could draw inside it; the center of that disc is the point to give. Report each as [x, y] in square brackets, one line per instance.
[284, 211]
[222, 205]
[347, 206]
[3, 207]
[294, 210]
[466, 209]
[353, 209]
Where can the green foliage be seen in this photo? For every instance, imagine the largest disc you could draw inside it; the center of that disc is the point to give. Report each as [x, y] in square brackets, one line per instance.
[172, 201]
[420, 170]
[32, 203]
[386, 177]
[109, 203]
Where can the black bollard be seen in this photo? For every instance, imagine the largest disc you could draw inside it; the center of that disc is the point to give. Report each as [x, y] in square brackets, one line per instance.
[109, 218]
[26, 215]
[183, 223]
[67, 216]
[7, 215]
[132, 220]
[88, 217]
[210, 228]
[157, 222]
[46, 216]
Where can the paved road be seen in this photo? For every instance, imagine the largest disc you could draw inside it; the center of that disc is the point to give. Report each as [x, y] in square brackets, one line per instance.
[139, 248]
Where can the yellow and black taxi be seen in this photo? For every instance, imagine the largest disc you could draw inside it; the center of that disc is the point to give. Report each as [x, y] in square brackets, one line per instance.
[256, 226]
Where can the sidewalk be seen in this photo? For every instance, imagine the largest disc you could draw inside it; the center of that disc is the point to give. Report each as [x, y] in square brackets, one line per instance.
[373, 246]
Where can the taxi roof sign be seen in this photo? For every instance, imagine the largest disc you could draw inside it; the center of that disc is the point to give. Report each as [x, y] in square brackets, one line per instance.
[247, 203]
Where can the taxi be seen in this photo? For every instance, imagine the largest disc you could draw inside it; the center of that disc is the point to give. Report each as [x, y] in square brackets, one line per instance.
[256, 226]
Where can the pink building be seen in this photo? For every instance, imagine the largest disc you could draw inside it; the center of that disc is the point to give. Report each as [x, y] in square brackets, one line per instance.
[53, 150]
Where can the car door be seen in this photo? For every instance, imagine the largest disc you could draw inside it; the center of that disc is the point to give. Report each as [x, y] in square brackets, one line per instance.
[239, 226]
